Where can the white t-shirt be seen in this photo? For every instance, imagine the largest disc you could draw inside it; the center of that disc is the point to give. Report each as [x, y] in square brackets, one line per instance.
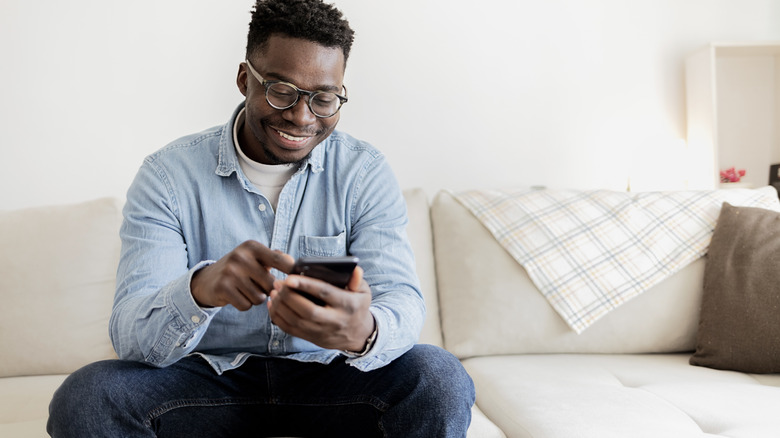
[268, 178]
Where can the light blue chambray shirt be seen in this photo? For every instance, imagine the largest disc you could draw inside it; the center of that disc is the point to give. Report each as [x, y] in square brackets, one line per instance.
[190, 204]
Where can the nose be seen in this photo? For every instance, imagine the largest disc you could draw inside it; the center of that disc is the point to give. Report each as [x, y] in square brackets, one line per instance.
[300, 114]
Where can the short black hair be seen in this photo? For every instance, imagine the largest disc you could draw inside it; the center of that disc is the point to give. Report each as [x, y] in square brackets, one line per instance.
[312, 20]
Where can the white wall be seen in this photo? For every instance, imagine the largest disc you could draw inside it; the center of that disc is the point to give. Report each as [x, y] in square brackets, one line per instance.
[458, 94]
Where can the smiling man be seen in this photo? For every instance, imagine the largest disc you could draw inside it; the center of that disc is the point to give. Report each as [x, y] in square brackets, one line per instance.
[215, 335]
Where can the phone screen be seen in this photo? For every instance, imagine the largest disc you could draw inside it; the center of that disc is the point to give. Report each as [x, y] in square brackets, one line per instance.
[335, 270]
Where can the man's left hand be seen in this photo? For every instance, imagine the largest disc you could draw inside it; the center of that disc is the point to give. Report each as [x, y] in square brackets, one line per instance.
[342, 323]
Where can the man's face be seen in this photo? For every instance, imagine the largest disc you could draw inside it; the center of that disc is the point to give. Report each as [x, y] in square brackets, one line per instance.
[273, 136]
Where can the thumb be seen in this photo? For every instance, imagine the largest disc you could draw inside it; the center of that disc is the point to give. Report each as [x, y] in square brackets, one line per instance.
[357, 278]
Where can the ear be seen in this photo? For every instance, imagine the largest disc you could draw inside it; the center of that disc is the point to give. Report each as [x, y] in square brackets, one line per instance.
[241, 78]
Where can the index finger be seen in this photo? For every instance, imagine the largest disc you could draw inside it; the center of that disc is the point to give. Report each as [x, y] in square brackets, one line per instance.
[271, 258]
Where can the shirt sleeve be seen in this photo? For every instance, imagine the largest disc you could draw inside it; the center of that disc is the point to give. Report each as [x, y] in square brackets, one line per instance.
[379, 239]
[155, 319]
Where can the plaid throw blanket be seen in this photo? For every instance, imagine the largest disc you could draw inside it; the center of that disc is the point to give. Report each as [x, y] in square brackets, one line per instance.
[588, 252]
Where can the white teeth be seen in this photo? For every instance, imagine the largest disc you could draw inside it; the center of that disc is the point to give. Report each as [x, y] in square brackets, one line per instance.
[290, 137]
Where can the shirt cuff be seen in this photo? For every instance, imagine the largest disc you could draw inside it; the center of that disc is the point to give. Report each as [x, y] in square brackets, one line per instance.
[192, 315]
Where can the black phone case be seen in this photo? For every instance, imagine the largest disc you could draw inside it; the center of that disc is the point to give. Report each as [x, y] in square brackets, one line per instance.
[334, 270]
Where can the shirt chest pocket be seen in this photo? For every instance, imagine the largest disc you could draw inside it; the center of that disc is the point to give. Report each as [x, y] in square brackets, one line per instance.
[323, 246]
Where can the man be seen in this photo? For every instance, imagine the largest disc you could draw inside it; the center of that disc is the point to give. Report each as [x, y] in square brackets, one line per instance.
[214, 337]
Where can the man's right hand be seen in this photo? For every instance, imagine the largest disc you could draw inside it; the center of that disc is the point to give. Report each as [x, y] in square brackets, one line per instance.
[241, 278]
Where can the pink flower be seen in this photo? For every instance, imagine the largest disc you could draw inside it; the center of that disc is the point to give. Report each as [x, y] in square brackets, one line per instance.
[731, 175]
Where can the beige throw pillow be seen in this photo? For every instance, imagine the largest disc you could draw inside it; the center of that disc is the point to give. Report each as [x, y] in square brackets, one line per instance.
[739, 327]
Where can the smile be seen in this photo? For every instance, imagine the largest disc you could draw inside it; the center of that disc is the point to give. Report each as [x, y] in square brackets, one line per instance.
[290, 137]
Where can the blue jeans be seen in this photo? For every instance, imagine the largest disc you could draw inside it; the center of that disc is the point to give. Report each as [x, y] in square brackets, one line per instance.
[424, 393]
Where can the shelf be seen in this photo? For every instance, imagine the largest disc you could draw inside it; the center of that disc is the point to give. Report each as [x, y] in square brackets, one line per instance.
[733, 108]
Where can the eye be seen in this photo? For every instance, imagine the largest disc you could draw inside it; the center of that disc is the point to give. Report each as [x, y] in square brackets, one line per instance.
[282, 91]
[325, 99]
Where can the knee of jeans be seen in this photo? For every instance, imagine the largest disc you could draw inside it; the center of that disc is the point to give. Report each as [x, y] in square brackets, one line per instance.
[441, 370]
[86, 386]
[88, 397]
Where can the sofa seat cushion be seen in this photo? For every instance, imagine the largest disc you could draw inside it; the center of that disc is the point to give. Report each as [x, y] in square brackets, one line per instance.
[604, 396]
[24, 406]
[482, 427]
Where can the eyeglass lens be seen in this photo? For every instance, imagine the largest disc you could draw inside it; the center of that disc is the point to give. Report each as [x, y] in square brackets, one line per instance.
[283, 96]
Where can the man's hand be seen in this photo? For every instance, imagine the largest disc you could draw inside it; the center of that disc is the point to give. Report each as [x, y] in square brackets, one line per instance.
[343, 323]
[241, 278]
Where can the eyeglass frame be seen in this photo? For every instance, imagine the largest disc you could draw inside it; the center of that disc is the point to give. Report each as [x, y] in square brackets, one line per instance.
[266, 83]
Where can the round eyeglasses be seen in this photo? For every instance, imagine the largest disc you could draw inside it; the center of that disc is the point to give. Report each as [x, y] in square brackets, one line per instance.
[283, 95]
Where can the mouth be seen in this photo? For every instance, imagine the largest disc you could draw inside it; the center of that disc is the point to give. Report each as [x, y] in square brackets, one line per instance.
[289, 137]
[292, 142]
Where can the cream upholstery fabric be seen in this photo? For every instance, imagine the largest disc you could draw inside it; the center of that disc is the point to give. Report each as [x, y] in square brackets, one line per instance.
[58, 268]
[53, 257]
[490, 306]
[61, 261]
[25, 401]
[618, 396]
[482, 427]
[419, 231]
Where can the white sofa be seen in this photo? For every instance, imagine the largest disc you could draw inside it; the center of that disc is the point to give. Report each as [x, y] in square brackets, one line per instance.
[625, 376]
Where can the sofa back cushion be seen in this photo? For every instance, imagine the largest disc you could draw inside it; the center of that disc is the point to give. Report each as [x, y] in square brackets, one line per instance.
[490, 306]
[57, 278]
[419, 232]
[58, 268]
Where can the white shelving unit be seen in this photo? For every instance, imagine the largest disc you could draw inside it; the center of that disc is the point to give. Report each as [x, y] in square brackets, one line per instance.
[733, 108]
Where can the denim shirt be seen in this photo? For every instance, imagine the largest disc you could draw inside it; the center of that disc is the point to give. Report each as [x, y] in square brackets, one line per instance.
[190, 204]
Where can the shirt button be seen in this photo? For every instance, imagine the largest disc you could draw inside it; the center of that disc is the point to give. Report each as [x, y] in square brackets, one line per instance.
[276, 344]
[195, 319]
[261, 207]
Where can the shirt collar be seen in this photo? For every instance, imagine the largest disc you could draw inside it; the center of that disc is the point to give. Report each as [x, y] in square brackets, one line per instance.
[227, 162]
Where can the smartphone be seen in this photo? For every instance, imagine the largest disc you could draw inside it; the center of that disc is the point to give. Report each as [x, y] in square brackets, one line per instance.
[335, 270]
